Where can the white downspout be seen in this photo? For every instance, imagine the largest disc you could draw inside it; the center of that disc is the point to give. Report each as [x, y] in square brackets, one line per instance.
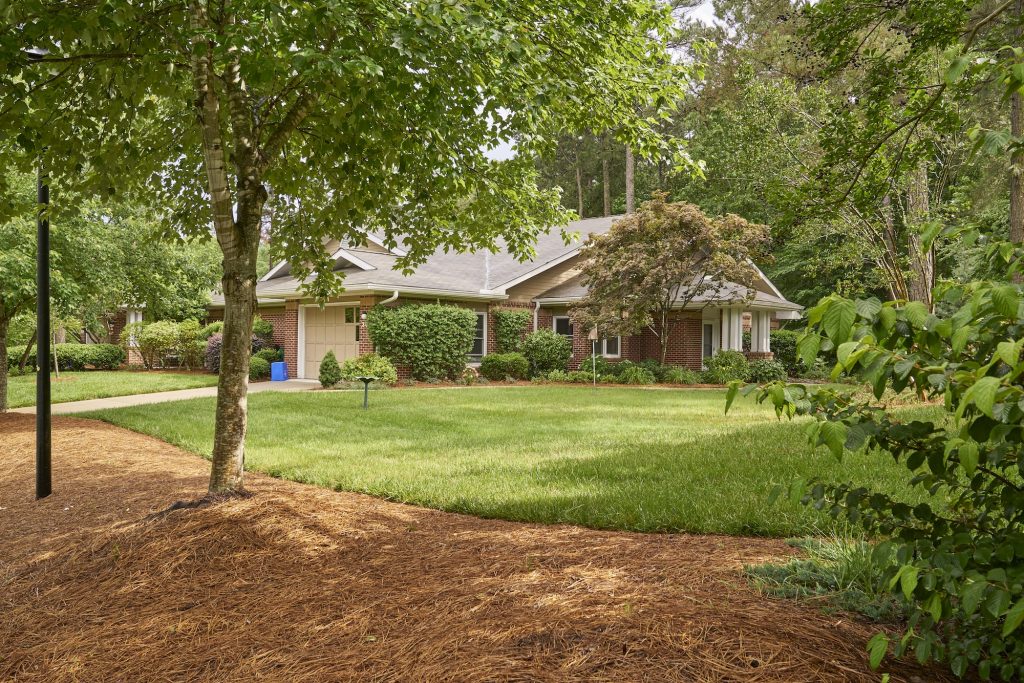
[389, 299]
[536, 315]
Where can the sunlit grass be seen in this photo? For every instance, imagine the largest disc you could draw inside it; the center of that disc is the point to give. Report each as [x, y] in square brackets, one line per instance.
[621, 458]
[82, 386]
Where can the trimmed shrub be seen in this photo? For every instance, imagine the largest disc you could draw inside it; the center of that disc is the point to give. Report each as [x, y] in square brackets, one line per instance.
[211, 329]
[636, 375]
[783, 343]
[330, 371]
[259, 368]
[190, 347]
[655, 368]
[766, 371]
[681, 376]
[72, 357]
[156, 341]
[499, 366]
[370, 365]
[546, 350]
[432, 339]
[262, 329]
[270, 355]
[726, 366]
[510, 328]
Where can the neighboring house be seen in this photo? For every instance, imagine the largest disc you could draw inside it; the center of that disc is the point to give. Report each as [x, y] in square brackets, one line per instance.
[485, 282]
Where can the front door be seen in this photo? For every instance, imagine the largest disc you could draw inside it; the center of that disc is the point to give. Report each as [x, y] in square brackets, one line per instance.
[334, 328]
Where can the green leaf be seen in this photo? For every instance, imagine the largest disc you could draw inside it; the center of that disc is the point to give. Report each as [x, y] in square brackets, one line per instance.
[908, 580]
[968, 454]
[983, 394]
[833, 435]
[730, 396]
[956, 69]
[1014, 618]
[917, 314]
[878, 646]
[971, 596]
[807, 348]
[868, 308]
[1006, 300]
[838, 320]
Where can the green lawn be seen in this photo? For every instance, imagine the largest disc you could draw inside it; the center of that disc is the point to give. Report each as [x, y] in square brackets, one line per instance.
[649, 460]
[80, 386]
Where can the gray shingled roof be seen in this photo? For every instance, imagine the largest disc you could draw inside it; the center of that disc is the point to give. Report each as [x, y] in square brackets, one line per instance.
[573, 290]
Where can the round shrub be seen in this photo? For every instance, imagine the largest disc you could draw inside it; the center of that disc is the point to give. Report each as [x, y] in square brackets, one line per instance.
[213, 345]
[655, 368]
[499, 366]
[783, 344]
[766, 371]
[636, 375]
[211, 329]
[369, 365]
[330, 371]
[259, 368]
[547, 350]
[432, 339]
[156, 341]
[261, 328]
[725, 367]
[681, 376]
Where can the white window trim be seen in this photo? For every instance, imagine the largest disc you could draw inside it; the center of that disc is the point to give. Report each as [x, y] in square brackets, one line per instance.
[474, 359]
[554, 324]
[604, 348]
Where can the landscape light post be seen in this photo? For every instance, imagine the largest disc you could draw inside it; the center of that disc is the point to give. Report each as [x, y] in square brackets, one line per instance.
[43, 443]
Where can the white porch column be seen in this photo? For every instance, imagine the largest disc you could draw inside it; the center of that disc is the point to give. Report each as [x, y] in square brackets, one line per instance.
[760, 330]
[732, 329]
[766, 331]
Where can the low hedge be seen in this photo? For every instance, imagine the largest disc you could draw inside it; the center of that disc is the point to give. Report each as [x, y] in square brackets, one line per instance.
[74, 356]
[259, 368]
[500, 366]
[547, 350]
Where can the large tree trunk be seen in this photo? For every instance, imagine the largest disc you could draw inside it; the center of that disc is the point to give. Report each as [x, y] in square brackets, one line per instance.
[630, 168]
[579, 183]
[922, 263]
[1017, 159]
[606, 179]
[4, 323]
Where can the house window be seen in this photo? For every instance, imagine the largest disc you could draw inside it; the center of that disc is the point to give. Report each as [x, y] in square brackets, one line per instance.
[350, 315]
[479, 337]
[563, 326]
[610, 347]
[709, 340]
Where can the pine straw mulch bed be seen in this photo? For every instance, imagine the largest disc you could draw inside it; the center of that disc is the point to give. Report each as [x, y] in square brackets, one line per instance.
[101, 582]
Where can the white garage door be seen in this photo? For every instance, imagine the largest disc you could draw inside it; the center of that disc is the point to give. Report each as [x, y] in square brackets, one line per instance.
[335, 328]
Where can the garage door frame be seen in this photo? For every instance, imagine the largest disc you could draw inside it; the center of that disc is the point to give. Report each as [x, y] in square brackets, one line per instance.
[300, 372]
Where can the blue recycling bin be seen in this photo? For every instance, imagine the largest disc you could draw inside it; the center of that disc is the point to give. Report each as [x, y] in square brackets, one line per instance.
[278, 371]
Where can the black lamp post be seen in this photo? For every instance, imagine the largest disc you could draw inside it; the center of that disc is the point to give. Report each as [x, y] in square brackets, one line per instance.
[43, 442]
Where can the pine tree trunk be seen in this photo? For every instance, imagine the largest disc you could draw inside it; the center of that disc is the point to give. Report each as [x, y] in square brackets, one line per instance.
[922, 263]
[579, 183]
[1017, 159]
[630, 168]
[4, 324]
[606, 180]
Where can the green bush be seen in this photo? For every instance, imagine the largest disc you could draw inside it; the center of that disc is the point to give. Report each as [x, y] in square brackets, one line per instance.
[270, 355]
[499, 366]
[636, 375]
[211, 329]
[546, 350]
[156, 341]
[725, 367]
[259, 368]
[783, 343]
[262, 329]
[655, 368]
[676, 375]
[369, 365]
[571, 377]
[190, 346]
[432, 339]
[330, 371]
[509, 328]
[73, 356]
[766, 371]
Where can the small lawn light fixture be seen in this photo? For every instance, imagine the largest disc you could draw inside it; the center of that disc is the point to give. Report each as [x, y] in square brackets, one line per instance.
[366, 390]
[593, 352]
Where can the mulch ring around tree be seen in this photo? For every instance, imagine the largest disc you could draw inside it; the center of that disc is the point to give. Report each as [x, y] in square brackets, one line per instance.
[103, 582]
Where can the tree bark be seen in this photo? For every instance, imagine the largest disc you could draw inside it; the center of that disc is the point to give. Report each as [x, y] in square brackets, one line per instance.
[606, 180]
[26, 352]
[579, 183]
[630, 195]
[1017, 158]
[922, 263]
[4, 325]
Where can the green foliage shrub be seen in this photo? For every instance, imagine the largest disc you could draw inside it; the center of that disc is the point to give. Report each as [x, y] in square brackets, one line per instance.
[156, 341]
[432, 339]
[783, 343]
[766, 371]
[213, 348]
[211, 329]
[270, 355]
[499, 366]
[571, 377]
[259, 368]
[330, 371]
[190, 347]
[675, 375]
[547, 350]
[725, 367]
[73, 357]
[262, 329]
[655, 368]
[369, 365]
[636, 375]
[509, 328]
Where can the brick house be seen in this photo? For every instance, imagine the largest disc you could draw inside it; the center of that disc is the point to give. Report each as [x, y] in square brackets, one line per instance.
[486, 282]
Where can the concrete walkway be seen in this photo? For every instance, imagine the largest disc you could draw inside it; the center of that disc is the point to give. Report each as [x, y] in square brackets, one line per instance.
[164, 396]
